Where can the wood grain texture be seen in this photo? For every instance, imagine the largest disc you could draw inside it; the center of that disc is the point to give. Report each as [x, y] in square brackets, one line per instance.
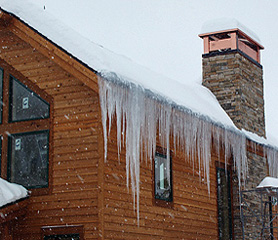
[85, 189]
[73, 195]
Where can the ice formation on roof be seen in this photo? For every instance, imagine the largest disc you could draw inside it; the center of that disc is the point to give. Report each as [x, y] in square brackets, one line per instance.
[142, 87]
[11, 192]
[139, 113]
[194, 96]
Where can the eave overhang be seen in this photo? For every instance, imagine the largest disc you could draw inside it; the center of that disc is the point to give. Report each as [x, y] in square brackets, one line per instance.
[51, 50]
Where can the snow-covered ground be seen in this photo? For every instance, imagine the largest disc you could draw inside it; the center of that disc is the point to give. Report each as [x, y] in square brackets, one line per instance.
[11, 192]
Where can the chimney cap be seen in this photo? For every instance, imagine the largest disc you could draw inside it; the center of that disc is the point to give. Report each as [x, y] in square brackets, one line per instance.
[230, 31]
[221, 25]
[230, 38]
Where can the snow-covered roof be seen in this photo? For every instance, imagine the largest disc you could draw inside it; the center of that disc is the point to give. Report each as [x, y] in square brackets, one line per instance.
[194, 96]
[76, 36]
[268, 182]
[11, 192]
[73, 26]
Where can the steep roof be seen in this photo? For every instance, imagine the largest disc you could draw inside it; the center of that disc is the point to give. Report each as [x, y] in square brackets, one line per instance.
[191, 96]
[79, 43]
[195, 97]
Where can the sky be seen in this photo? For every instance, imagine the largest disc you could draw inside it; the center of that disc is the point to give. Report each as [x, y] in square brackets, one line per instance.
[163, 34]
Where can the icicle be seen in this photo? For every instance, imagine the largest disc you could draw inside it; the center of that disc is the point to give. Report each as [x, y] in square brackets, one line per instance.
[103, 106]
[272, 158]
[119, 116]
[140, 113]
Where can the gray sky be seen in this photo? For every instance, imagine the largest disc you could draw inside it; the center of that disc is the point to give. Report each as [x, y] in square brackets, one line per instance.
[163, 34]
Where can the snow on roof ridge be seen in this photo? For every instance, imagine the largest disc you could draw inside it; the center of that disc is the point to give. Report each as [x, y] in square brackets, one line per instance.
[11, 192]
[193, 97]
[104, 60]
[220, 24]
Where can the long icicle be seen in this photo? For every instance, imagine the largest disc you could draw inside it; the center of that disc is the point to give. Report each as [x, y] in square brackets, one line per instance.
[141, 113]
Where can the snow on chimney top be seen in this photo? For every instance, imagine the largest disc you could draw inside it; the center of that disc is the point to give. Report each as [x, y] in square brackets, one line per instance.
[229, 34]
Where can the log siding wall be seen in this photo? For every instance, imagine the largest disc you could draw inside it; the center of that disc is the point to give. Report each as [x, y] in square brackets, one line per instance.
[73, 196]
[193, 214]
[85, 190]
[76, 157]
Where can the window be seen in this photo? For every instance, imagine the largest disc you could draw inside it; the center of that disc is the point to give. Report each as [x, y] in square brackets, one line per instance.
[24, 127]
[69, 232]
[162, 177]
[1, 93]
[224, 204]
[0, 152]
[25, 104]
[28, 159]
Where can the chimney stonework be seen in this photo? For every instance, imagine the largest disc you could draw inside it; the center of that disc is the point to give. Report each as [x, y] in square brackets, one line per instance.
[232, 71]
[237, 83]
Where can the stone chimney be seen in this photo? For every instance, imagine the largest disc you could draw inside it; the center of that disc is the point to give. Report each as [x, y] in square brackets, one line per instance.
[232, 71]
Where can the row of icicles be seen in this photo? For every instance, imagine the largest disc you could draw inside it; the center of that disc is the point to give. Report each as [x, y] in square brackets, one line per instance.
[139, 113]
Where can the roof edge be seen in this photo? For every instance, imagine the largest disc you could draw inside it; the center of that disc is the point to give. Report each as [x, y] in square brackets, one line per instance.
[63, 58]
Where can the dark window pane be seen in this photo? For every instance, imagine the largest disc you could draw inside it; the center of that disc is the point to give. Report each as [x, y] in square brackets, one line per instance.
[224, 204]
[0, 154]
[25, 104]
[62, 237]
[162, 171]
[28, 159]
[1, 93]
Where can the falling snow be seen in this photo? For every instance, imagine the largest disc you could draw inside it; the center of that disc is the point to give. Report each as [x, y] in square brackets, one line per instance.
[139, 113]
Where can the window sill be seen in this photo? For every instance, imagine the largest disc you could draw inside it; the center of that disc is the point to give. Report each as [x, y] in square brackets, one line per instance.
[163, 203]
[39, 191]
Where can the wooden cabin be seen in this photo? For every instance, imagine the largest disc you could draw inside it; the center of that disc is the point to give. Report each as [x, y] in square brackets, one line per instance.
[53, 144]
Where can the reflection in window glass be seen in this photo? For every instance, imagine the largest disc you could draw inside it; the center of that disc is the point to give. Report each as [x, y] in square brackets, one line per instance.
[162, 171]
[1, 93]
[62, 237]
[0, 153]
[28, 160]
[224, 204]
[25, 104]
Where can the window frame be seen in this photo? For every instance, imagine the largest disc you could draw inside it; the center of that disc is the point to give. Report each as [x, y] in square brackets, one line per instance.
[11, 79]
[33, 125]
[230, 207]
[160, 201]
[47, 237]
[1, 143]
[48, 231]
[10, 156]
[2, 92]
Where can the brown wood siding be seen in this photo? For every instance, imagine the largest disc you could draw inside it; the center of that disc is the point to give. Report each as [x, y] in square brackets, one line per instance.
[193, 214]
[75, 143]
[84, 189]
